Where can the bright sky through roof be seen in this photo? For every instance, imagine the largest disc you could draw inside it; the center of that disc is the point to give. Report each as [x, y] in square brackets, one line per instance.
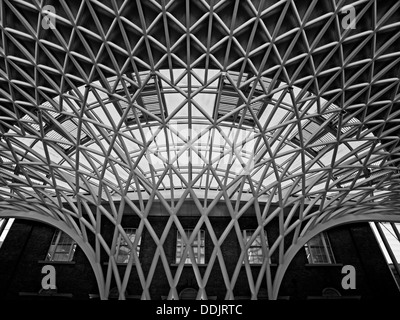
[219, 136]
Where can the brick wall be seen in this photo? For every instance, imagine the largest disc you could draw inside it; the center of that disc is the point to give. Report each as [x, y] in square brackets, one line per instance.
[27, 243]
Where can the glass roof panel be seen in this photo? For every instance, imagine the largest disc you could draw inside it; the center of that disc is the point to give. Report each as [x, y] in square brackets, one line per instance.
[186, 135]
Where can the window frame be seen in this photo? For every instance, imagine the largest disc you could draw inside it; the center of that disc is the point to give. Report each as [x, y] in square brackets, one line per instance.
[199, 242]
[246, 238]
[124, 244]
[325, 248]
[53, 250]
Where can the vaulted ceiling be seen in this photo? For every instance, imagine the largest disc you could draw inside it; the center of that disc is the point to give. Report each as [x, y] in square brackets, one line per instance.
[291, 103]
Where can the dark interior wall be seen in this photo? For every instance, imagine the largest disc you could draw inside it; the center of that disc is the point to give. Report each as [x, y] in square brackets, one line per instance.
[352, 244]
[26, 245]
[22, 259]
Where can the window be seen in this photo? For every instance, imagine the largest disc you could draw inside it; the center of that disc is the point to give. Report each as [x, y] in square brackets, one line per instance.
[319, 250]
[198, 246]
[62, 247]
[188, 294]
[255, 251]
[123, 252]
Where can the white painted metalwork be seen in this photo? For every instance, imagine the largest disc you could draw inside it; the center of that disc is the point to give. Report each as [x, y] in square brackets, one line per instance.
[268, 105]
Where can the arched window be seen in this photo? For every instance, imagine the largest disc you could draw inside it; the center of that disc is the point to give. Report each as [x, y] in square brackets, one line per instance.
[330, 292]
[188, 294]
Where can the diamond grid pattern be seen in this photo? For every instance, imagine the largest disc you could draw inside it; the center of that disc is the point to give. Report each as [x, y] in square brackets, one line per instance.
[245, 103]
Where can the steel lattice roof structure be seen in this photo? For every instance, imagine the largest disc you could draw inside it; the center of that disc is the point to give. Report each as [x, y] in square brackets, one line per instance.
[264, 104]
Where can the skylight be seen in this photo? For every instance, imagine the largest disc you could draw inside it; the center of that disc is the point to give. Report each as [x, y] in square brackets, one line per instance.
[193, 121]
